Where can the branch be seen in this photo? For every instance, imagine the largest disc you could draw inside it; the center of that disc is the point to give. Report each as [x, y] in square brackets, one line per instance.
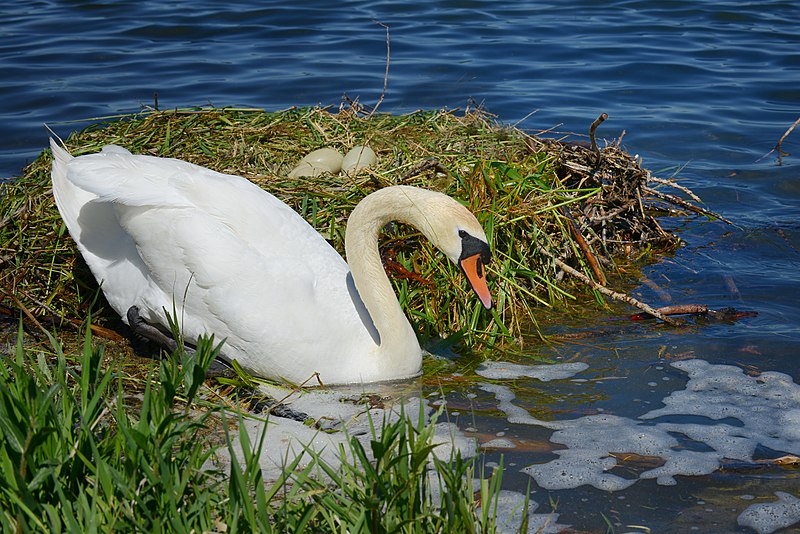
[785, 135]
[687, 205]
[604, 290]
[678, 186]
[595, 124]
[780, 141]
[587, 251]
[723, 314]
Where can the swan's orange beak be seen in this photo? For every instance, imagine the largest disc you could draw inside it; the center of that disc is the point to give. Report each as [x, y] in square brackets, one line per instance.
[476, 274]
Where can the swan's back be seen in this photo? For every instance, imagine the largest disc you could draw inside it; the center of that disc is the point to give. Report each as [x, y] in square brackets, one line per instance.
[126, 180]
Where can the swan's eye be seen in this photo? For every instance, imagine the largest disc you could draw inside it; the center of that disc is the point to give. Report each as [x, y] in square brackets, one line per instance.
[471, 245]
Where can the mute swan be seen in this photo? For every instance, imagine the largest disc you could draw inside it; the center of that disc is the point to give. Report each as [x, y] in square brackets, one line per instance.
[239, 263]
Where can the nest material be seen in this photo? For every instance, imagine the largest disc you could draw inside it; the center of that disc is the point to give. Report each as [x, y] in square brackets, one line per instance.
[545, 204]
[614, 217]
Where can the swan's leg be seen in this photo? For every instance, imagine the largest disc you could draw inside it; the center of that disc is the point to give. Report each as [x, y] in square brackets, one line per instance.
[149, 332]
[271, 406]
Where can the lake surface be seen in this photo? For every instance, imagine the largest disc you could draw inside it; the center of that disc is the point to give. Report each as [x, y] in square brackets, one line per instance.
[703, 89]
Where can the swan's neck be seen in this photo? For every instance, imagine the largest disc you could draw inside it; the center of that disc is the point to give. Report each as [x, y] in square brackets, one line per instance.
[363, 257]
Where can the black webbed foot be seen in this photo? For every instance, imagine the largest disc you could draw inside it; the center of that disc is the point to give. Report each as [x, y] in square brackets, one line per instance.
[147, 332]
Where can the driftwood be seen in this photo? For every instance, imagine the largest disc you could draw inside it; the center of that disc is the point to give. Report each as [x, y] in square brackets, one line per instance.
[722, 314]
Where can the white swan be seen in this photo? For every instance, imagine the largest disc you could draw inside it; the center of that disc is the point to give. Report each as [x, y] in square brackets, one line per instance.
[239, 263]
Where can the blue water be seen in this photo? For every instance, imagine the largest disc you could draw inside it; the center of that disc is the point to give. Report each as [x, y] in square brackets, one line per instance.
[703, 89]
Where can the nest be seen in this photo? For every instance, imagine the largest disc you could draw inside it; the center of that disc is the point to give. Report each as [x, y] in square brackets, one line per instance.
[549, 207]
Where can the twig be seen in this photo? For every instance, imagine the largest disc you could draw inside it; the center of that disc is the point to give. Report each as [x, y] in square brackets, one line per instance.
[595, 124]
[613, 213]
[670, 183]
[780, 141]
[386, 74]
[785, 135]
[587, 252]
[27, 313]
[523, 119]
[422, 166]
[723, 314]
[604, 290]
[399, 271]
[684, 309]
[56, 319]
[687, 205]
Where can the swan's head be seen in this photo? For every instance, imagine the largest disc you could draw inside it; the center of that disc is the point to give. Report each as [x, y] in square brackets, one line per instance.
[444, 221]
[456, 232]
[475, 254]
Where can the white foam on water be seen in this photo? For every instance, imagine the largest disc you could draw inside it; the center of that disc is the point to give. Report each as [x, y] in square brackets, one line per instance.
[743, 413]
[767, 406]
[758, 411]
[575, 468]
[545, 373]
[766, 518]
[515, 414]
[510, 506]
[334, 409]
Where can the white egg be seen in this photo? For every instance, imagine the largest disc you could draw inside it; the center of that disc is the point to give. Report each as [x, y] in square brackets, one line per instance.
[318, 162]
[359, 157]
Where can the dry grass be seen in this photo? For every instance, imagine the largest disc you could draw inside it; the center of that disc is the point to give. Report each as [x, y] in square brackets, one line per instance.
[538, 199]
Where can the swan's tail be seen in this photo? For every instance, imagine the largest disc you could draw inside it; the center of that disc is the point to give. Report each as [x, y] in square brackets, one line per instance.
[64, 192]
[58, 174]
[60, 154]
[109, 252]
[61, 159]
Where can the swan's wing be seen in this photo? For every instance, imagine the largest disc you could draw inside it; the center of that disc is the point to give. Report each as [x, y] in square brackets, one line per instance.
[115, 175]
[233, 258]
[273, 309]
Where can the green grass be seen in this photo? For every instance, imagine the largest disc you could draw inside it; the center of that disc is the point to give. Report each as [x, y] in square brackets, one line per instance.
[530, 194]
[80, 455]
